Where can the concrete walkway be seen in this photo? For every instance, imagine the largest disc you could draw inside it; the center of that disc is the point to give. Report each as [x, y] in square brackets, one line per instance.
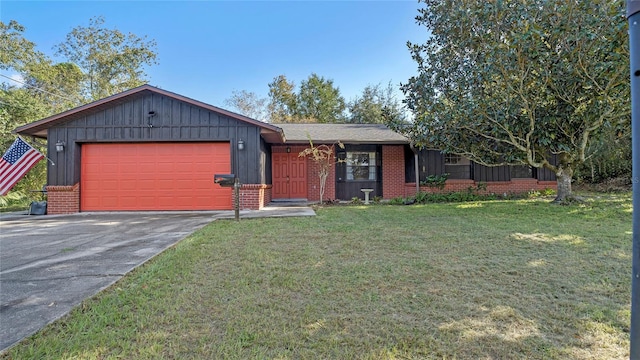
[50, 264]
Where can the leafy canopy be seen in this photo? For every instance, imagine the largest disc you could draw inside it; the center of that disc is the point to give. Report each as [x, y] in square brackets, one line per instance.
[111, 60]
[517, 82]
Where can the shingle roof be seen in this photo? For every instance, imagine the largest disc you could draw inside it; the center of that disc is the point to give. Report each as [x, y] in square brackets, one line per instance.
[346, 133]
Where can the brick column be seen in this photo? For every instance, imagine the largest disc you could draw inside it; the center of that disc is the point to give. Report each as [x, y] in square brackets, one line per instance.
[392, 171]
[63, 199]
[254, 196]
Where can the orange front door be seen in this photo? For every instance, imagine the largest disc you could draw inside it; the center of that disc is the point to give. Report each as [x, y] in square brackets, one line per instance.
[154, 176]
[289, 176]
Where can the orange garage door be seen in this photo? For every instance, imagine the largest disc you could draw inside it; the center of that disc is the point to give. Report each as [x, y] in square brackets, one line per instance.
[154, 176]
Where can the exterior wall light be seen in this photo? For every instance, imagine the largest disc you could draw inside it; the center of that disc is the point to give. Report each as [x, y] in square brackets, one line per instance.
[240, 144]
[60, 146]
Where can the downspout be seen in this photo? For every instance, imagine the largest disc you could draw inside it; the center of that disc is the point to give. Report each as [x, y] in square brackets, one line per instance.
[633, 15]
[416, 166]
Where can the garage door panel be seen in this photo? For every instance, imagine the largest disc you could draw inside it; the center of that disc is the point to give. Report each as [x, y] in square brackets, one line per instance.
[154, 176]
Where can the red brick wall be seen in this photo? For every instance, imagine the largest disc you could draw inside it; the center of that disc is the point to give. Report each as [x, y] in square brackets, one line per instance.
[313, 190]
[393, 171]
[515, 186]
[63, 199]
[253, 196]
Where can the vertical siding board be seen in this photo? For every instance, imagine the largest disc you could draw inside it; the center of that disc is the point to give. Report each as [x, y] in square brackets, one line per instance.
[251, 169]
[431, 162]
[265, 159]
[203, 131]
[165, 119]
[127, 120]
[223, 132]
[81, 133]
[174, 121]
[137, 121]
[117, 122]
[91, 121]
[58, 158]
[491, 173]
[99, 130]
[72, 170]
[91, 131]
[175, 113]
[215, 126]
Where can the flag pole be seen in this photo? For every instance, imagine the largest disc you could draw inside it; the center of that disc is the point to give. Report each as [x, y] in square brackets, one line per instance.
[45, 156]
[633, 15]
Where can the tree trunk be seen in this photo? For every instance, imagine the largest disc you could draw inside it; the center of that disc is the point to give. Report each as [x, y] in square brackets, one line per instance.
[563, 178]
[323, 174]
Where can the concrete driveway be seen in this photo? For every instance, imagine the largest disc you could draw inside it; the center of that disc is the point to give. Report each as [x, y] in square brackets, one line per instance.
[49, 264]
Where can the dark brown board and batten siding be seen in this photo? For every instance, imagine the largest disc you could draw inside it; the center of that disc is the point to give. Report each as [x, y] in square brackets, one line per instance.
[175, 121]
[431, 162]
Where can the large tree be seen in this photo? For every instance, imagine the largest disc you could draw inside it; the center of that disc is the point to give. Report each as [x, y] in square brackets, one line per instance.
[519, 82]
[317, 101]
[111, 60]
[282, 100]
[248, 104]
[320, 101]
[375, 105]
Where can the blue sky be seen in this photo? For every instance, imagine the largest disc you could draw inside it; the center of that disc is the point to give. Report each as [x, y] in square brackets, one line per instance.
[207, 49]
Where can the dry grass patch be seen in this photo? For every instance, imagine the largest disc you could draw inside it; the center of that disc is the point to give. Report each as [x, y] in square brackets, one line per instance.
[496, 280]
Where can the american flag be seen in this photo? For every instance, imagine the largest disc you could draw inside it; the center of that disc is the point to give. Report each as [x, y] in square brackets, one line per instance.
[15, 163]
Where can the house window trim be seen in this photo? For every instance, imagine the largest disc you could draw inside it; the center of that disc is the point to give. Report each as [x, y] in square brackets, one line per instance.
[371, 165]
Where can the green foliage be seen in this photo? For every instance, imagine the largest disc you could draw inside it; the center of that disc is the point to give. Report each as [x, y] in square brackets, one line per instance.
[517, 82]
[111, 61]
[282, 100]
[14, 201]
[316, 101]
[397, 201]
[435, 181]
[248, 104]
[543, 193]
[375, 105]
[461, 196]
[356, 201]
[607, 158]
[319, 101]
[15, 51]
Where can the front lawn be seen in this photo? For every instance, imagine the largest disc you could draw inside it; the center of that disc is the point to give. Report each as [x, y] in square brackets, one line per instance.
[483, 280]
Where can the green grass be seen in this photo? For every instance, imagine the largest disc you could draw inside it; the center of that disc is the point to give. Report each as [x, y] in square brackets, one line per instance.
[483, 280]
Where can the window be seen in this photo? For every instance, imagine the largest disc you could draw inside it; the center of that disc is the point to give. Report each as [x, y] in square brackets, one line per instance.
[452, 159]
[521, 172]
[457, 166]
[361, 166]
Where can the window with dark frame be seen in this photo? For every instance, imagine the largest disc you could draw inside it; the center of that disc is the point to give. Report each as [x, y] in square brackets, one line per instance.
[457, 166]
[521, 172]
[452, 159]
[361, 166]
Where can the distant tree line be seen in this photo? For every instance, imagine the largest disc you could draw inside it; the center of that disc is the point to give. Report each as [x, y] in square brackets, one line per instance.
[318, 100]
